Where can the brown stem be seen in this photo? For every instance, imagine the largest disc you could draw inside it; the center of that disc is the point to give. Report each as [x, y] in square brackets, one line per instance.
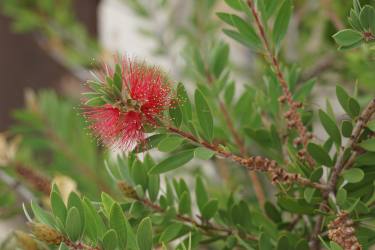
[206, 228]
[327, 6]
[360, 125]
[341, 164]
[293, 117]
[253, 163]
[38, 181]
[241, 146]
[78, 245]
[258, 190]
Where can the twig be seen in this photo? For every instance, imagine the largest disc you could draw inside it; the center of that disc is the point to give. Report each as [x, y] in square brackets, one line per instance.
[360, 125]
[78, 245]
[324, 64]
[259, 192]
[204, 227]
[253, 163]
[65, 149]
[38, 181]
[327, 6]
[340, 165]
[293, 117]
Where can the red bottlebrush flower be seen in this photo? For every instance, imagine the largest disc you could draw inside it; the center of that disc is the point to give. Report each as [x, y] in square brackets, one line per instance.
[142, 96]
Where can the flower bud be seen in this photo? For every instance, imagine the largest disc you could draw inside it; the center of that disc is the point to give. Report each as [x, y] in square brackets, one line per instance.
[46, 234]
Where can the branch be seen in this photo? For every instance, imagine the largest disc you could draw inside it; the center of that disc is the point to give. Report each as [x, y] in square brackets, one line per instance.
[340, 165]
[360, 125]
[38, 181]
[292, 116]
[253, 163]
[206, 228]
[259, 192]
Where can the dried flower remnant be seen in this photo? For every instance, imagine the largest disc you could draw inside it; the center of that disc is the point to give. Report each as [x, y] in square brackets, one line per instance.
[342, 232]
[125, 101]
[8, 149]
[46, 234]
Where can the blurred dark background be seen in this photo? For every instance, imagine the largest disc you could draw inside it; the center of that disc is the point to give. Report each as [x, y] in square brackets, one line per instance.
[24, 64]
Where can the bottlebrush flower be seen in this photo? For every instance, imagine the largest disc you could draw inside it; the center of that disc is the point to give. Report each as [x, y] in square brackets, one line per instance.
[124, 101]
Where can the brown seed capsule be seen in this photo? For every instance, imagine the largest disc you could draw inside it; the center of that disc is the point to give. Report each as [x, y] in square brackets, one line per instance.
[127, 190]
[297, 141]
[297, 104]
[342, 232]
[288, 114]
[46, 234]
[282, 99]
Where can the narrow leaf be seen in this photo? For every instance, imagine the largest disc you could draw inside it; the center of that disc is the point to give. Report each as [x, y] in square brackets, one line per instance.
[175, 161]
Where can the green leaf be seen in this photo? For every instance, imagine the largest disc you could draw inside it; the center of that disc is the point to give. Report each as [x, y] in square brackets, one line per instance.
[316, 174]
[153, 186]
[175, 113]
[174, 161]
[210, 209]
[265, 243]
[200, 193]
[184, 103]
[283, 243]
[170, 143]
[41, 215]
[371, 125]
[117, 222]
[73, 225]
[335, 246]
[110, 240]
[341, 196]
[107, 202]
[280, 26]
[368, 144]
[171, 232]
[367, 18]
[309, 194]
[246, 30]
[184, 205]
[272, 212]
[204, 115]
[354, 21]
[139, 174]
[219, 60]
[229, 93]
[302, 244]
[347, 37]
[304, 90]
[240, 38]
[144, 234]
[203, 153]
[293, 205]
[75, 201]
[367, 158]
[330, 127]
[353, 107]
[234, 4]
[58, 206]
[357, 7]
[150, 142]
[342, 97]
[92, 221]
[319, 154]
[346, 128]
[353, 175]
